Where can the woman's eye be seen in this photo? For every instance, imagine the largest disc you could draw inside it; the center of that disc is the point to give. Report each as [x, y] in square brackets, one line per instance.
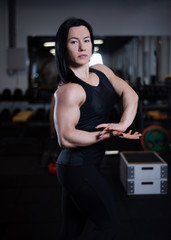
[87, 41]
[73, 42]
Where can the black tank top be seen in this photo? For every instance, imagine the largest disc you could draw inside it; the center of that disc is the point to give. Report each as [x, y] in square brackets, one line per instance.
[95, 110]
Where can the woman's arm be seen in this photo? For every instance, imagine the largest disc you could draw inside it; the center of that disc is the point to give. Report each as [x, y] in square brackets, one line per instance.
[68, 100]
[129, 101]
[127, 94]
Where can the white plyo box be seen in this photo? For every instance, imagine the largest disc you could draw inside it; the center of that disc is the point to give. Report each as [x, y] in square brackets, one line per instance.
[143, 173]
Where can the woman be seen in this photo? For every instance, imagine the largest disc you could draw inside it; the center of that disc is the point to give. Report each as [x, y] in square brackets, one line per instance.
[83, 103]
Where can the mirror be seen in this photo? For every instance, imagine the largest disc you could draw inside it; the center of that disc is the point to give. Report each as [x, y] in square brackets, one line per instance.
[137, 59]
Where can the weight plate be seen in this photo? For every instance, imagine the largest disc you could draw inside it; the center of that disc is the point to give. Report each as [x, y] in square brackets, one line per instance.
[155, 138]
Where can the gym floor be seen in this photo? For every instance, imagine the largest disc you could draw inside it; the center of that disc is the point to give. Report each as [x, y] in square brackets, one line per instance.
[30, 195]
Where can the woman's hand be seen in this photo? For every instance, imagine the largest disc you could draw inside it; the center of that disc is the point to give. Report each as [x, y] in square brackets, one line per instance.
[129, 135]
[108, 127]
[117, 130]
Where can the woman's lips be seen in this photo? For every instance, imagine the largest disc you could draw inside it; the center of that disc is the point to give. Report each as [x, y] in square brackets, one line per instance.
[83, 56]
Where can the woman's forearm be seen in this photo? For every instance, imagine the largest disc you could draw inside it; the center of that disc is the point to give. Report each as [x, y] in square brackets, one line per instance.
[130, 104]
[80, 138]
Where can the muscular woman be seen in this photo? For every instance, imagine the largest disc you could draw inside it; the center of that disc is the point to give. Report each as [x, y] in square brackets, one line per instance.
[84, 101]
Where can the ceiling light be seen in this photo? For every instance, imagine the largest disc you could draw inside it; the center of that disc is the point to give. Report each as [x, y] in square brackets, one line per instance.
[96, 49]
[49, 44]
[52, 51]
[98, 41]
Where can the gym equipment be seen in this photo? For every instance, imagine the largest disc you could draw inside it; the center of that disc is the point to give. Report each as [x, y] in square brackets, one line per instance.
[22, 116]
[6, 95]
[52, 168]
[156, 115]
[18, 95]
[143, 173]
[5, 115]
[52, 165]
[155, 138]
[15, 111]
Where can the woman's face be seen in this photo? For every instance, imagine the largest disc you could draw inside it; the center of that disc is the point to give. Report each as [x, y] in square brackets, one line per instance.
[79, 46]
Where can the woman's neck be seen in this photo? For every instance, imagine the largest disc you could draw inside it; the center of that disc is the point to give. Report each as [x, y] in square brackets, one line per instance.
[81, 72]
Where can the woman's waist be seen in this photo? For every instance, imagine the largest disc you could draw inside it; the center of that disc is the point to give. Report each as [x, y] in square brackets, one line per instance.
[94, 148]
[82, 155]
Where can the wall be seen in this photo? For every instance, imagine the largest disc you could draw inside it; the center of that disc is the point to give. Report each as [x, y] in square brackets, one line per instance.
[109, 17]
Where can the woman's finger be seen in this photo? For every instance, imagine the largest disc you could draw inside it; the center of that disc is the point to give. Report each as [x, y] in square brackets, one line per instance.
[131, 136]
[103, 125]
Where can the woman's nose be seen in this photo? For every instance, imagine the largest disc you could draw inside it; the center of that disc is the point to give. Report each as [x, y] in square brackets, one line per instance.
[81, 46]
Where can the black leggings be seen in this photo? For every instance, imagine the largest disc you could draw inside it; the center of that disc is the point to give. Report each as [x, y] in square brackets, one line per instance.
[86, 196]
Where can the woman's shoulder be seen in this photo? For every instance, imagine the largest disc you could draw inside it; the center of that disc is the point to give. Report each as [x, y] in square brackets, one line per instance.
[70, 92]
[69, 87]
[102, 68]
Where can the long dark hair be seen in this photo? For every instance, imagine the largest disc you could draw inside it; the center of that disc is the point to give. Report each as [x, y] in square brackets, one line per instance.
[65, 75]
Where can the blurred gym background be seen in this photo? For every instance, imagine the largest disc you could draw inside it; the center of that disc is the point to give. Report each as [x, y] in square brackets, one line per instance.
[134, 39]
